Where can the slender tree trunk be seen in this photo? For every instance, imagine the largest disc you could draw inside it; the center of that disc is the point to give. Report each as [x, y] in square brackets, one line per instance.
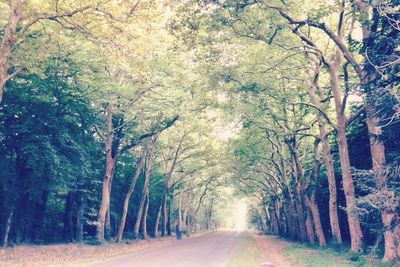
[140, 213]
[8, 43]
[8, 226]
[169, 219]
[107, 227]
[145, 192]
[165, 214]
[109, 165]
[298, 184]
[348, 185]
[144, 217]
[333, 214]
[180, 212]
[157, 222]
[129, 194]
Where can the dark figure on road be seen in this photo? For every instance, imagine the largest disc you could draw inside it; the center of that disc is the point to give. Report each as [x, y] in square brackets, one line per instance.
[178, 232]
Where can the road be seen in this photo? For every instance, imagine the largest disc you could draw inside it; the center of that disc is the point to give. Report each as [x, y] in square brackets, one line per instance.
[211, 250]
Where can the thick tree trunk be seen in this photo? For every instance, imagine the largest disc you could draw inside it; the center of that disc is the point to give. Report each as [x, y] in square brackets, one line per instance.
[275, 220]
[39, 217]
[68, 214]
[79, 215]
[388, 213]
[129, 194]
[309, 223]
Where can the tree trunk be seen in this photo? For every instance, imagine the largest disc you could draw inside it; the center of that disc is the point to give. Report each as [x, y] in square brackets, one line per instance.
[107, 226]
[79, 215]
[157, 222]
[380, 175]
[8, 226]
[39, 217]
[275, 221]
[333, 214]
[145, 193]
[169, 219]
[8, 43]
[309, 223]
[109, 165]
[348, 185]
[144, 217]
[298, 177]
[165, 214]
[68, 222]
[129, 194]
[180, 212]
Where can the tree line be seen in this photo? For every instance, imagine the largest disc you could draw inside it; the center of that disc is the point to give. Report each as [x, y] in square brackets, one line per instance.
[103, 134]
[314, 85]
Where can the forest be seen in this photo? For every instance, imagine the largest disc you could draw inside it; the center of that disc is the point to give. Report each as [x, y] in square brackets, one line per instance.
[120, 119]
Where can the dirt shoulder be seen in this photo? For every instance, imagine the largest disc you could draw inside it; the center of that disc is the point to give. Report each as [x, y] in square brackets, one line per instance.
[72, 254]
[273, 250]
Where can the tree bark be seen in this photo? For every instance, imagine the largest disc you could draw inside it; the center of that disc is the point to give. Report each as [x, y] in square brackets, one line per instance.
[8, 43]
[109, 165]
[333, 214]
[145, 192]
[348, 185]
[309, 223]
[169, 219]
[298, 177]
[68, 214]
[79, 215]
[129, 194]
[157, 222]
[368, 77]
[164, 213]
[144, 218]
[8, 226]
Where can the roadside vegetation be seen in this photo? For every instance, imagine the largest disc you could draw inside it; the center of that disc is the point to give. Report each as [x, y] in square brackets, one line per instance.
[131, 119]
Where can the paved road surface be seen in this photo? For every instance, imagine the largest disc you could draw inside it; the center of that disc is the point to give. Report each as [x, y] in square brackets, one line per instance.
[211, 250]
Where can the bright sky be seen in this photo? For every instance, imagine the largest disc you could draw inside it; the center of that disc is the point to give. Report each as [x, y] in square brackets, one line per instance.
[240, 215]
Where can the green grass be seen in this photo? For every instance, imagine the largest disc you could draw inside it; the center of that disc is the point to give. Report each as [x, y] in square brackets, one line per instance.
[246, 254]
[306, 256]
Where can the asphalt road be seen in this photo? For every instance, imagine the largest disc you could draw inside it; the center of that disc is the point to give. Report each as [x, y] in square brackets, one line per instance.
[211, 250]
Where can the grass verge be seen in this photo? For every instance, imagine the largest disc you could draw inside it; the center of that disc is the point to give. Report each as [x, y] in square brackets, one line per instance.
[306, 256]
[246, 254]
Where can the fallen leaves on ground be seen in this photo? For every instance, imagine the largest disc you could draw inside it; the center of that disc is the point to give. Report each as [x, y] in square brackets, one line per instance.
[273, 250]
